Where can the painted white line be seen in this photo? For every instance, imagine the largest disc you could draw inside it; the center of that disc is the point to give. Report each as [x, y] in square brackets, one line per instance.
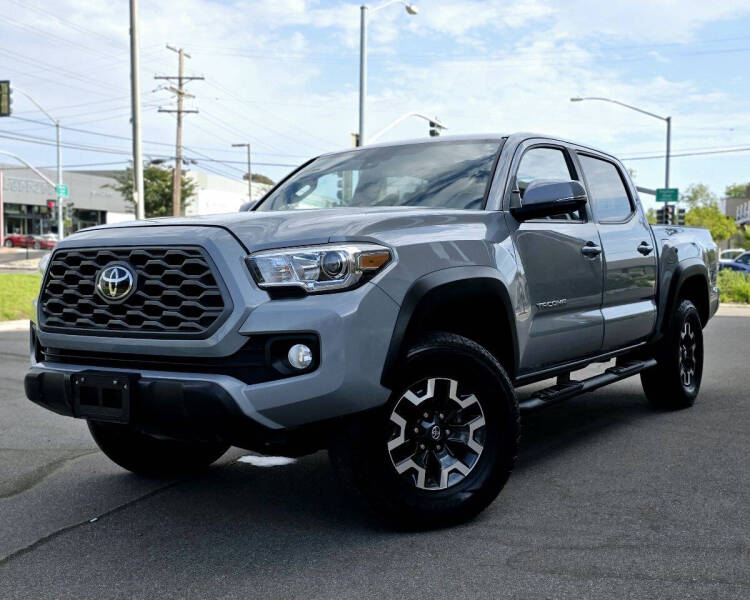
[266, 461]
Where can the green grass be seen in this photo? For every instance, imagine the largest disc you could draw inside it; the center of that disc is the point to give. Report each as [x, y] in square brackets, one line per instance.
[734, 286]
[17, 292]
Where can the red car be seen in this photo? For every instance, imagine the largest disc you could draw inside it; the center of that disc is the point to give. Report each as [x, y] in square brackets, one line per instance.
[38, 242]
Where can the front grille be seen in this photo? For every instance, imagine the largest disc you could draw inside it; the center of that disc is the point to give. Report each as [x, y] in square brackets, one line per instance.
[176, 293]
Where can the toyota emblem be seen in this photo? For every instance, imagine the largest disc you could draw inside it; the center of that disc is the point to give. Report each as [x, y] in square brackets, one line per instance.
[115, 282]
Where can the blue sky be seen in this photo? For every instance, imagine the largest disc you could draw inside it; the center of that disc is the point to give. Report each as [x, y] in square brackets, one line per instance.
[282, 74]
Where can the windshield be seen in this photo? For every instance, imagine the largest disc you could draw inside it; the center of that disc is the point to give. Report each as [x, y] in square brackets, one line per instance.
[438, 175]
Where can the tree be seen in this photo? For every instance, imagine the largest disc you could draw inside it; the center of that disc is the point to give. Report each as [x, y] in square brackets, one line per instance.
[651, 216]
[259, 178]
[737, 190]
[710, 217]
[157, 187]
[698, 194]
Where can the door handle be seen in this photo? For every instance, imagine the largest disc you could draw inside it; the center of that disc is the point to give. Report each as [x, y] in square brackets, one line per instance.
[591, 250]
[645, 248]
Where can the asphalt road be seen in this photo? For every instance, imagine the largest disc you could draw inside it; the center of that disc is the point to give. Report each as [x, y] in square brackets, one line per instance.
[610, 499]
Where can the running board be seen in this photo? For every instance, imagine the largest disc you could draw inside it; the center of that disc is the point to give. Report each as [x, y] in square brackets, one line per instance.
[568, 389]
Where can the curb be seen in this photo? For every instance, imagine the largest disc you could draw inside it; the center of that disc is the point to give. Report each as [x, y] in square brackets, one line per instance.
[22, 325]
[733, 310]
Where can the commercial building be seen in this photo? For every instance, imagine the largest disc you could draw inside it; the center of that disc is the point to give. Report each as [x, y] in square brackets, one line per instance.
[26, 199]
[216, 194]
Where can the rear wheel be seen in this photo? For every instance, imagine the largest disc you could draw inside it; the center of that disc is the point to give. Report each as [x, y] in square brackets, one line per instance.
[675, 381]
[8, 243]
[147, 455]
[444, 445]
[37, 245]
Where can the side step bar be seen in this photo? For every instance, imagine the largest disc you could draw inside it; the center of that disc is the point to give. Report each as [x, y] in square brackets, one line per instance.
[565, 388]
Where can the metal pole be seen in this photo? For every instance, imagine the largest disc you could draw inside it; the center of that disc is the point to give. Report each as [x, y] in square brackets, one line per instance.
[2, 213]
[249, 176]
[666, 166]
[60, 199]
[362, 72]
[135, 108]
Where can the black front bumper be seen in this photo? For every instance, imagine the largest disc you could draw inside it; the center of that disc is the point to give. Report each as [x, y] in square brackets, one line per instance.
[182, 409]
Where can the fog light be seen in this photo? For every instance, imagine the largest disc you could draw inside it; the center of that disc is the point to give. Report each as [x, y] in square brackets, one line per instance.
[300, 356]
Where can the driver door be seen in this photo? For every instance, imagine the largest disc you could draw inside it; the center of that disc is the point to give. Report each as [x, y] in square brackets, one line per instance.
[564, 286]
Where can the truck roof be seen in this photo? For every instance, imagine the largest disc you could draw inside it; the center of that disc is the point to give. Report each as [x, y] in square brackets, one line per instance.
[513, 137]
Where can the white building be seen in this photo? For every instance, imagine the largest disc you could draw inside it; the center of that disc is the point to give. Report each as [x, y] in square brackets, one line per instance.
[216, 194]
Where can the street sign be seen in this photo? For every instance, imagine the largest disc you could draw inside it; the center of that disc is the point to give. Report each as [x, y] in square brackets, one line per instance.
[62, 191]
[669, 195]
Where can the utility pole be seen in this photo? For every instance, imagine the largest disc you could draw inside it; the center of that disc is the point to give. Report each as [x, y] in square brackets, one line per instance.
[135, 109]
[249, 170]
[181, 94]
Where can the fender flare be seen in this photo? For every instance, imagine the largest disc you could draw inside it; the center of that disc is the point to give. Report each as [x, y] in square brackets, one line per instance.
[471, 279]
[682, 272]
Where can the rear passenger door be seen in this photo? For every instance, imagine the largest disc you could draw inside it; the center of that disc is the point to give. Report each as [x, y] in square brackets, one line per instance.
[629, 300]
[563, 281]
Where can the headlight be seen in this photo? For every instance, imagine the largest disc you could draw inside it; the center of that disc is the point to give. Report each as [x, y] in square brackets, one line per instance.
[318, 268]
[44, 263]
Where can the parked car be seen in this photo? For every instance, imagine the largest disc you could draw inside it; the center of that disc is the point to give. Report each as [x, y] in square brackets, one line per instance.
[390, 325]
[727, 256]
[741, 263]
[37, 242]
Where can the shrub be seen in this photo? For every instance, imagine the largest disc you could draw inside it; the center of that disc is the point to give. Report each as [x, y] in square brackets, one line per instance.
[734, 286]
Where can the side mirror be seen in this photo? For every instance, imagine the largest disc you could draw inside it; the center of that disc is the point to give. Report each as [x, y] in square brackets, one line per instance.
[544, 198]
[245, 206]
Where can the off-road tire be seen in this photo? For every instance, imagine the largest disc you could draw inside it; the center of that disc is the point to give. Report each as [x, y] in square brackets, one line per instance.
[675, 381]
[362, 456]
[150, 456]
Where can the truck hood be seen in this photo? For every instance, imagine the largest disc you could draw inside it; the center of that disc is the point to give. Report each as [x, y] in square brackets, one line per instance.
[260, 230]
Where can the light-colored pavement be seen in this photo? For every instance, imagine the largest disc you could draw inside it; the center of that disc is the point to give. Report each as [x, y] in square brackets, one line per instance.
[610, 500]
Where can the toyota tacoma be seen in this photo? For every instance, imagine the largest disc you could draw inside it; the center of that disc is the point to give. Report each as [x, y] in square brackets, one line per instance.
[383, 303]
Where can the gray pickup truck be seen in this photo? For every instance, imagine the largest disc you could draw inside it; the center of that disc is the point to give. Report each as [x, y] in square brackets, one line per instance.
[382, 303]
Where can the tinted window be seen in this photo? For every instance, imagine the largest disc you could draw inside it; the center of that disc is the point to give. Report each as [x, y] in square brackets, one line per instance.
[440, 175]
[545, 164]
[606, 189]
[743, 258]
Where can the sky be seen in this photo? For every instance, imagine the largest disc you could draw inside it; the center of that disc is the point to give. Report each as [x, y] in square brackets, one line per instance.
[283, 76]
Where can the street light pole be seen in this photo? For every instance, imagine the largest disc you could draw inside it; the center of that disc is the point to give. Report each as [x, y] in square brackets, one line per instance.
[363, 13]
[362, 71]
[667, 120]
[135, 109]
[249, 170]
[58, 187]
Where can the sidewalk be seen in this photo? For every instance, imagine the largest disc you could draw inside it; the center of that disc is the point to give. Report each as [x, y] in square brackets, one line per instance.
[733, 310]
[22, 325]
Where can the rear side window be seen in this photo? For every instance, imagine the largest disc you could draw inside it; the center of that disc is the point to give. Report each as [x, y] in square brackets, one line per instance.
[606, 189]
[545, 164]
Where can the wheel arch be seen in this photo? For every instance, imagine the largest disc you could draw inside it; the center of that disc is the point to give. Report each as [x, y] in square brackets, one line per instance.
[689, 282]
[469, 301]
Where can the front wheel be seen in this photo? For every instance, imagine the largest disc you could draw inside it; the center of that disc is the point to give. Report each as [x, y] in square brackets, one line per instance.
[443, 447]
[8, 243]
[674, 382]
[147, 455]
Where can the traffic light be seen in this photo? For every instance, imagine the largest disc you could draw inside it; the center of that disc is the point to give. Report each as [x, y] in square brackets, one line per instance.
[51, 206]
[670, 215]
[6, 98]
[434, 129]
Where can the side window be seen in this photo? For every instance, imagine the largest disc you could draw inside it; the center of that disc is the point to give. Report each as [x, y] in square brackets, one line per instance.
[548, 164]
[606, 189]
